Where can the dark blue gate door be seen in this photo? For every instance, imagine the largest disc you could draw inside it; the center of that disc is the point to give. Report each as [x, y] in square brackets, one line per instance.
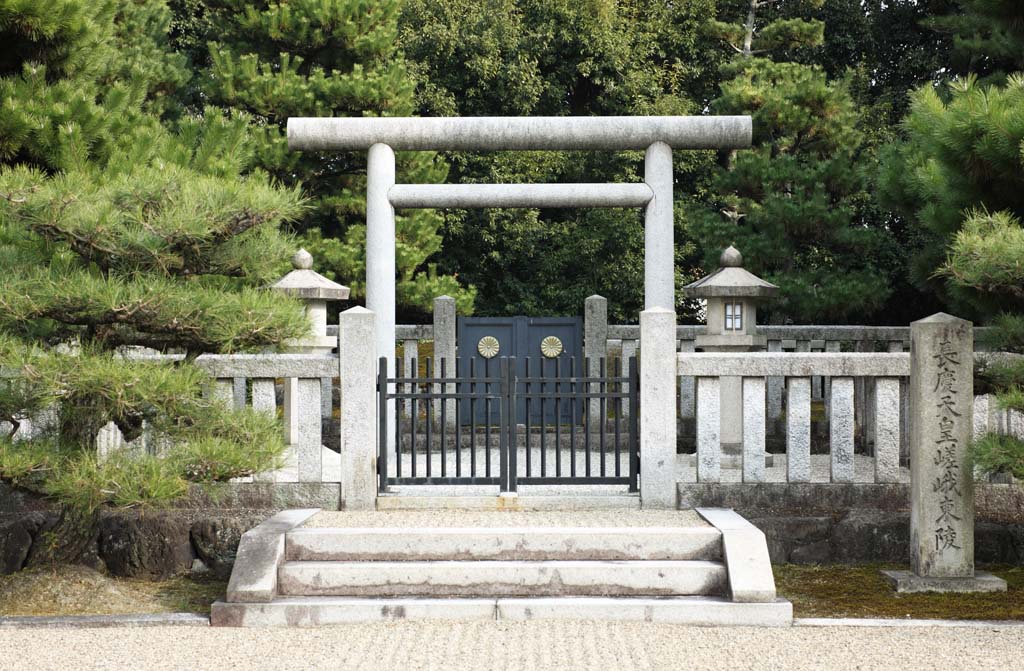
[552, 346]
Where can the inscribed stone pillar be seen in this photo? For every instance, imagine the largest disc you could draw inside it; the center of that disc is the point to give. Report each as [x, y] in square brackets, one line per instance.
[942, 489]
[941, 482]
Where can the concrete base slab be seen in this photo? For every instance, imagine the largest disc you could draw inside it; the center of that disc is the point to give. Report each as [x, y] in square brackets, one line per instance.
[502, 578]
[694, 610]
[908, 582]
[316, 611]
[319, 611]
[94, 621]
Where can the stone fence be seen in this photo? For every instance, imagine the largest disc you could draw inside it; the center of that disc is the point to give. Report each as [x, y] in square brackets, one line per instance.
[611, 341]
[299, 388]
[795, 373]
[778, 397]
[807, 417]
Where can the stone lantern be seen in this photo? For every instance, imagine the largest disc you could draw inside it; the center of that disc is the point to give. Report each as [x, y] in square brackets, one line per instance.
[732, 295]
[315, 290]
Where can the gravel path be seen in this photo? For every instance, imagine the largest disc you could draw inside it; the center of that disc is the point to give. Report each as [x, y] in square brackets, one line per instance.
[482, 646]
[470, 518]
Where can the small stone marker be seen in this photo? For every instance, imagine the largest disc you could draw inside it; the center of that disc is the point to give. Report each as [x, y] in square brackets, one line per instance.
[941, 480]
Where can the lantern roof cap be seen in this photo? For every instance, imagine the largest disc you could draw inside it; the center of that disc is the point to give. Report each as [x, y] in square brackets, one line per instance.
[731, 280]
[304, 282]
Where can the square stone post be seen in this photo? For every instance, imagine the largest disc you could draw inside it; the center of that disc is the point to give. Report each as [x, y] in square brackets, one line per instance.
[595, 348]
[941, 481]
[687, 400]
[357, 372]
[444, 349]
[774, 387]
[658, 408]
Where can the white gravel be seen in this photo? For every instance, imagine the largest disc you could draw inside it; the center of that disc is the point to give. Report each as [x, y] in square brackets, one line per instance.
[470, 518]
[516, 646]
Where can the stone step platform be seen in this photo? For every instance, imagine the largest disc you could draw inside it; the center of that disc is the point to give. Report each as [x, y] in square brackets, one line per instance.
[512, 543]
[327, 610]
[502, 578]
[708, 566]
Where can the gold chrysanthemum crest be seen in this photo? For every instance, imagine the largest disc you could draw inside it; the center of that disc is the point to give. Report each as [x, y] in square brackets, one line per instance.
[551, 347]
[488, 347]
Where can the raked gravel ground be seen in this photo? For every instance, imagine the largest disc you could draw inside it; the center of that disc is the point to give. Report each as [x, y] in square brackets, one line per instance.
[515, 646]
[470, 518]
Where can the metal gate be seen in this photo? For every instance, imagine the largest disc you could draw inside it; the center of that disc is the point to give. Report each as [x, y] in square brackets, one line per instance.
[481, 338]
[434, 442]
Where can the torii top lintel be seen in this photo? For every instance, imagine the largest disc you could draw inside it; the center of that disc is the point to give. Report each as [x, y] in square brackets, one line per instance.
[518, 133]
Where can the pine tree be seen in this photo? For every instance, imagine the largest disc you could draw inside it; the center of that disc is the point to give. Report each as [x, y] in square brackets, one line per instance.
[960, 155]
[273, 60]
[988, 37]
[794, 203]
[959, 177]
[118, 231]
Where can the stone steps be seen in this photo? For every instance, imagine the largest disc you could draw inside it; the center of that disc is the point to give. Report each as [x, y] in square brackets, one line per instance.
[502, 578]
[523, 544]
[704, 573]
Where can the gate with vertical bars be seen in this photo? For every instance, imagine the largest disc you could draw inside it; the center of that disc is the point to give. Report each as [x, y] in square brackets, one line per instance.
[441, 438]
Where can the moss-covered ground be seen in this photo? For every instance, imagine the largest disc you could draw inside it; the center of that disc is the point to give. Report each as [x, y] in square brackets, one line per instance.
[816, 591]
[861, 591]
[77, 590]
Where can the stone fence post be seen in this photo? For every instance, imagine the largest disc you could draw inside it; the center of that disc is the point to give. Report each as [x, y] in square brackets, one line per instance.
[357, 371]
[941, 479]
[658, 408]
[444, 350]
[595, 348]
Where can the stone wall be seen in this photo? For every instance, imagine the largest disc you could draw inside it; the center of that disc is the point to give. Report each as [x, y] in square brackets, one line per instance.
[200, 535]
[154, 545]
[858, 523]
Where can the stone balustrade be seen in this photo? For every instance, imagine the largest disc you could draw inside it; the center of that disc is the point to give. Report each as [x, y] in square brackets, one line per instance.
[797, 372]
[886, 374]
[249, 379]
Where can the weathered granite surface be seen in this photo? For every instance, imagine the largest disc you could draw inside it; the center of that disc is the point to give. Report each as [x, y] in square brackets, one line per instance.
[941, 480]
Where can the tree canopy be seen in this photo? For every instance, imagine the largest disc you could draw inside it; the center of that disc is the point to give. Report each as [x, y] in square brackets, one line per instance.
[273, 60]
[127, 223]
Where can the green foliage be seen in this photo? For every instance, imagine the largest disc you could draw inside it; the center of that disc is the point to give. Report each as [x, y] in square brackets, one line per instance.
[126, 221]
[564, 57]
[80, 81]
[273, 60]
[962, 159]
[797, 204]
[995, 453]
[988, 37]
[1006, 334]
[960, 176]
[986, 256]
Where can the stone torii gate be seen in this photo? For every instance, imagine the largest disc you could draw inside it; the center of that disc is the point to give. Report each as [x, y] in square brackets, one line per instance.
[657, 136]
